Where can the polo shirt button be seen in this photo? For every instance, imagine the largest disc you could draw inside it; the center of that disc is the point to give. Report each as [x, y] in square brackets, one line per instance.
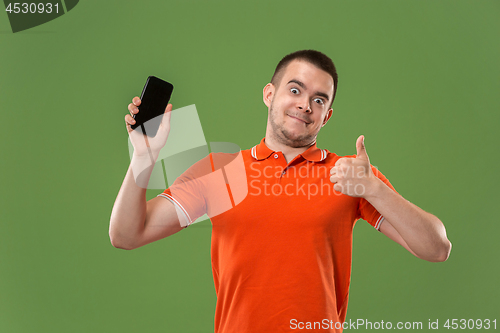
[275, 155]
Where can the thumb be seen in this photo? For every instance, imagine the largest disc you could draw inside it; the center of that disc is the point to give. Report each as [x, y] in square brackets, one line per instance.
[165, 122]
[360, 148]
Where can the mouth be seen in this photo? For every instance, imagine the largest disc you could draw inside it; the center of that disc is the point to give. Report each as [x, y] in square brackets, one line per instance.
[299, 119]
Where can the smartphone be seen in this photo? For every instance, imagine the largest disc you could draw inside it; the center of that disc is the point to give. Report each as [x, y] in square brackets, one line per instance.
[154, 99]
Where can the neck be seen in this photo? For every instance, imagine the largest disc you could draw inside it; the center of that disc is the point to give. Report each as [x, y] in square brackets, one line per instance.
[289, 152]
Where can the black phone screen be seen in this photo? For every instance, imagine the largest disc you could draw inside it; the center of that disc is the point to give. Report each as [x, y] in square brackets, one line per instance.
[154, 99]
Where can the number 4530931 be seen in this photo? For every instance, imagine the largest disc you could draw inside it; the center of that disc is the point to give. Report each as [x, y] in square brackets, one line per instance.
[32, 8]
[470, 324]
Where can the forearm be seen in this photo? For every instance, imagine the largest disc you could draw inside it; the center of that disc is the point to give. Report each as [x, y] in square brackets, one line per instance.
[129, 211]
[423, 232]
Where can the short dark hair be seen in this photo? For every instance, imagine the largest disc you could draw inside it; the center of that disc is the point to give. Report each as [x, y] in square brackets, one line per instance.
[318, 59]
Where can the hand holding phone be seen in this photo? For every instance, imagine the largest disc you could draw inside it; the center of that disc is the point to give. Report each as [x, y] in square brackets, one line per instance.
[154, 123]
[154, 99]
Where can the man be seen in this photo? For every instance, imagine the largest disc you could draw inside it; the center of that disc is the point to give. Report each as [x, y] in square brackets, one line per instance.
[281, 257]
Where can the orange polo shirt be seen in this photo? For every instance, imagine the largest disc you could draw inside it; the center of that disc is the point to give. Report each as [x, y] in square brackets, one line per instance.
[281, 237]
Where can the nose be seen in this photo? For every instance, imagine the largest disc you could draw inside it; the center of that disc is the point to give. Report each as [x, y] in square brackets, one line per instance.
[304, 105]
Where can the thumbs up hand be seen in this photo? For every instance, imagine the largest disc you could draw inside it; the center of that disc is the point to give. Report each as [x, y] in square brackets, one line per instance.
[354, 176]
[361, 149]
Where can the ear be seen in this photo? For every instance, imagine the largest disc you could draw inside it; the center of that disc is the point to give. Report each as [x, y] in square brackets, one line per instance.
[327, 117]
[268, 94]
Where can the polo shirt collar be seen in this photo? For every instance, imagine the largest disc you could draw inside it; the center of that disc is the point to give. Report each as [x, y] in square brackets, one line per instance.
[312, 154]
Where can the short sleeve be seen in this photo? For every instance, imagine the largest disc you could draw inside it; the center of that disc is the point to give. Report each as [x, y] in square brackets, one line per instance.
[366, 211]
[187, 193]
[201, 189]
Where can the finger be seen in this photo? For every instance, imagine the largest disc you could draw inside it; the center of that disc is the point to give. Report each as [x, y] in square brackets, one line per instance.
[133, 109]
[136, 101]
[167, 115]
[129, 119]
[360, 148]
[168, 108]
[340, 161]
[337, 187]
[345, 161]
[339, 170]
[334, 179]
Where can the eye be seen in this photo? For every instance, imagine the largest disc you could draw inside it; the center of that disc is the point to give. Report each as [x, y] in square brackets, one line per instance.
[319, 101]
[294, 90]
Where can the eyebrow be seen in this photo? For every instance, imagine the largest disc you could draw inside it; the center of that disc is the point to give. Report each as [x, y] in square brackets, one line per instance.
[301, 84]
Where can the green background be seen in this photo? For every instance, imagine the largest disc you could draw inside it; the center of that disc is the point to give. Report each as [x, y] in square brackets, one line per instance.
[420, 79]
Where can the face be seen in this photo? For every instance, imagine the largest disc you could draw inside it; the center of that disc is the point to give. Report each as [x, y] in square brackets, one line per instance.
[299, 105]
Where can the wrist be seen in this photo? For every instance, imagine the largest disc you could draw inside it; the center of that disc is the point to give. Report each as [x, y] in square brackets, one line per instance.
[149, 156]
[374, 188]
[142, 166]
